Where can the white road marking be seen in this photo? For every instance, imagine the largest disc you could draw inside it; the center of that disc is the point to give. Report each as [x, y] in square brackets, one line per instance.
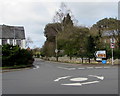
[67, 68]
[73, 84]
[81, 68]
[98, 67]
[90, 82]
[99, 77]
[61, 78]
[89, 67]
[106, 67]
[80, 84]
[71, 68]
[36, 67]
[79, 79]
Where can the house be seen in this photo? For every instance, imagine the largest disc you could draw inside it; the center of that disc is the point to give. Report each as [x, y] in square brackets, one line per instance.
[13, 35]
[109, 37]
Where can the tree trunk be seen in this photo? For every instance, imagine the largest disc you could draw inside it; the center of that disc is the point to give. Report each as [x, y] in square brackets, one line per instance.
[56, 58]
[70, 57]
[89, 60]
[82, 60]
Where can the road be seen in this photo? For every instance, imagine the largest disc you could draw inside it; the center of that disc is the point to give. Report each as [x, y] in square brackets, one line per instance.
[59, 78]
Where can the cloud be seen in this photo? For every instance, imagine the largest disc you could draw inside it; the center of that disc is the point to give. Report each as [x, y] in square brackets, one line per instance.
[34, 15]
[90, 12]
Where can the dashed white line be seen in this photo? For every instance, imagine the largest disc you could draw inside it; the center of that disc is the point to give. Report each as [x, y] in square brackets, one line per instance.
[81, 68]
[98, 67]
[90, 67]
[106, 67]
[67, 68]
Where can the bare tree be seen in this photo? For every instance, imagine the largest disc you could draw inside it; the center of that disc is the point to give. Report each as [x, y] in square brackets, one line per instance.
[28, 41]
[62, 12]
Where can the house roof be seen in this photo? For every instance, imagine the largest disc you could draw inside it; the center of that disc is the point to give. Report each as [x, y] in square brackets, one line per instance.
[11, 32]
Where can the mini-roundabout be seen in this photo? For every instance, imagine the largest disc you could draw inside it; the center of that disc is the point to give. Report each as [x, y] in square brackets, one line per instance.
[79, 80]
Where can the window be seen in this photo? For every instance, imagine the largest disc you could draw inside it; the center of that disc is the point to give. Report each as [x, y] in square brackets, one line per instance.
[11, 41]
[18, 42]
[4, 41]
[104, 40]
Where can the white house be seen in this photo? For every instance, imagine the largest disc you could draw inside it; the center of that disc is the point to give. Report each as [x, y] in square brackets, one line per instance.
[13, 35]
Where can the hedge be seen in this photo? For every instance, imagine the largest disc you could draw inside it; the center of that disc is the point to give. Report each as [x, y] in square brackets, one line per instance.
[14, 55]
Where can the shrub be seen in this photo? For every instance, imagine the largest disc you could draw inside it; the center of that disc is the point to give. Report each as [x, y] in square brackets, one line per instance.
[14, 55]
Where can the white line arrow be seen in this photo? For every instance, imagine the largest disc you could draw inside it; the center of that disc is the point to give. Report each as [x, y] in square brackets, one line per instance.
[61, 78]
[80, 84]
[99, 77]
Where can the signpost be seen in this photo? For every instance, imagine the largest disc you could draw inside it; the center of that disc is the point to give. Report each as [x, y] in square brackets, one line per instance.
[112, 47]
[56, 50]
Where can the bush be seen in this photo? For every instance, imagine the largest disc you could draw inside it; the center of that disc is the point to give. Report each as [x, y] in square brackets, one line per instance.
[38, 55]
[116, 53]
[14, 55]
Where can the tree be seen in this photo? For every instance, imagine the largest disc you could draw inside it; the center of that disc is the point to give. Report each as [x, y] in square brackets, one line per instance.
[61, 20]
[72, 39]
[90, 47]
[104, 25]
[48, 49]
[67, 22]
[28, 41]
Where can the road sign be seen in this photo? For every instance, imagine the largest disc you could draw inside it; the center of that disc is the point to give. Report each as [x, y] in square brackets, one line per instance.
[112, 45]
[112, 40]
[56, 50]
[101, 54]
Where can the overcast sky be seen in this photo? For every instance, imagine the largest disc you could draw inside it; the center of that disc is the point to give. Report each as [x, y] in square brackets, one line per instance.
[35, 14]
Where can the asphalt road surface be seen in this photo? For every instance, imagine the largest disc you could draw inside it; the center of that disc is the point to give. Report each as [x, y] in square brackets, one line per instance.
[60, 78]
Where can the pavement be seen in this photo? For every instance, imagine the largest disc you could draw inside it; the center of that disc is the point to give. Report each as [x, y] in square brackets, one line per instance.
[61, 78]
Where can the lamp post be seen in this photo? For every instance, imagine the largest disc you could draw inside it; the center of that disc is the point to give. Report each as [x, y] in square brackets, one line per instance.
[112, 47]
[56, 50]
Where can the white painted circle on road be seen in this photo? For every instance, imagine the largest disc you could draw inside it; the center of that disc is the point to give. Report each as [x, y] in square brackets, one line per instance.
[73, 84]
[79, 79]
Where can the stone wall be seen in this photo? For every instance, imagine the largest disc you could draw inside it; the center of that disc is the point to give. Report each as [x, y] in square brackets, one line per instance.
[79, 60]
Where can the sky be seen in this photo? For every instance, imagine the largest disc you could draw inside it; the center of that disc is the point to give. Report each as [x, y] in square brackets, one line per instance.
[34, 15]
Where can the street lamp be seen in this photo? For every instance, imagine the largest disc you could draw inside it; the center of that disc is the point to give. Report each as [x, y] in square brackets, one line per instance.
[56, 50]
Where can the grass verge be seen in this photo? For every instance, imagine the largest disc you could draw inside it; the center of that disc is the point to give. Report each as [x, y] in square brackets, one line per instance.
[16, 67]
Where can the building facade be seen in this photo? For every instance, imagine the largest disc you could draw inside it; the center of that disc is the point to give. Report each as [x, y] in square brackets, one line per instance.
[109, 37]
[13, 35]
